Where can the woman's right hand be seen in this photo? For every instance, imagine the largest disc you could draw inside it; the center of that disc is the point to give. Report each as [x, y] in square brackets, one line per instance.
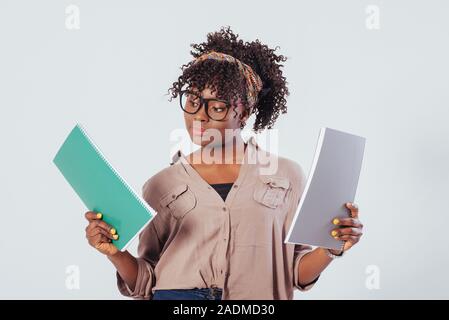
[99, 234]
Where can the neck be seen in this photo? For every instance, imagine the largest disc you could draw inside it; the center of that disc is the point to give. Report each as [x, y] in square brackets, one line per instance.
[229, 152]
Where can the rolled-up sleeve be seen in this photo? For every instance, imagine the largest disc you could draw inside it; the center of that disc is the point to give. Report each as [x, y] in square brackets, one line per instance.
[151, 243]
[144, 282]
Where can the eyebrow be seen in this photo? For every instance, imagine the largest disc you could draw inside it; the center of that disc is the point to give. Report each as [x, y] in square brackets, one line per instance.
[216, 99]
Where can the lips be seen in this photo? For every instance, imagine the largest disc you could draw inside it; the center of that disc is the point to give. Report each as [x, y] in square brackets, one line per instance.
[198, 131]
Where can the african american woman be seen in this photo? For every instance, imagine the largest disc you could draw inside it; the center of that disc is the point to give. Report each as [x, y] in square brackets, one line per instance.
[220, 225]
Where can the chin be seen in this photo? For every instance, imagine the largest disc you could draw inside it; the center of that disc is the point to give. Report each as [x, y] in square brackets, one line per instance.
[198, 140]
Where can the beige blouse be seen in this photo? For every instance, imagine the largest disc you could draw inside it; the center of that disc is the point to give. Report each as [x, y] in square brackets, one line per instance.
[197, 240]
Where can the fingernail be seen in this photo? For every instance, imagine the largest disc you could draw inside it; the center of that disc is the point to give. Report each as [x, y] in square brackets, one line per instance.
[113, 231]
[348, 204]
[336, 221]
[99, 215]
[115, 236]
[336, 238]
[334, 233]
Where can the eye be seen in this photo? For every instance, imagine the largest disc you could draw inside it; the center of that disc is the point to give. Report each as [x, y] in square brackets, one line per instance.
[218, 109]
[193, 99]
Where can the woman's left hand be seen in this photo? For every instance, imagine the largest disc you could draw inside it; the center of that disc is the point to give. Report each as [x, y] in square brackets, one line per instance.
[349, 229]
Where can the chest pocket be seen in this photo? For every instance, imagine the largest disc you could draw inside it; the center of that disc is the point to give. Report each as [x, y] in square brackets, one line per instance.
[271, 190]
[179, 201]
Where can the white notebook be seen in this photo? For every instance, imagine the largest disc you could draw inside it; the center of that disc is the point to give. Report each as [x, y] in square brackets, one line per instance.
[332, 182]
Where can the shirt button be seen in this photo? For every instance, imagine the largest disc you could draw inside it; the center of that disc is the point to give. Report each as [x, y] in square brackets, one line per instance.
[173, 196]
[224, 209]
[225, 239]
[235, 186]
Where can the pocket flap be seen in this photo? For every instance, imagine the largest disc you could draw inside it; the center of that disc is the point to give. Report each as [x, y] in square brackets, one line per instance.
[280, 182]
[272, 191]
[173, 194]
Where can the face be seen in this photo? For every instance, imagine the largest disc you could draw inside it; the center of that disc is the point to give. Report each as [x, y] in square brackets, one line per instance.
[201, 128]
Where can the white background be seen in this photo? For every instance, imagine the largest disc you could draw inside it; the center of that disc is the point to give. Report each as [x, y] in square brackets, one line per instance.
[389, 85]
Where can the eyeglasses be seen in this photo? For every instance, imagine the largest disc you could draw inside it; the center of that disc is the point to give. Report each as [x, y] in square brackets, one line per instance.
[191, 102]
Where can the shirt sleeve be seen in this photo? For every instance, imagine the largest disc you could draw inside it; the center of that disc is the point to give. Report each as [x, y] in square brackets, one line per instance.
[151, 243]
[300, 250]
[149, 251]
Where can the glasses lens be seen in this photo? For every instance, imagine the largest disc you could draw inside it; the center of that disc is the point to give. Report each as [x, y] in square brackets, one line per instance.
[190, 103]
[217, 110]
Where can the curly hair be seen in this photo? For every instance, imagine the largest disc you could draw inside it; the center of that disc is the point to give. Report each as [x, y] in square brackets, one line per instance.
[225, 79]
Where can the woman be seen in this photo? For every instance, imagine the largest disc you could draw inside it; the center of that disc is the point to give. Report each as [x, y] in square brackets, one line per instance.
[220, 225]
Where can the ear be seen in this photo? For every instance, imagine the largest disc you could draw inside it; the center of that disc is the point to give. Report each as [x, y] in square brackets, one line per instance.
[244, 115]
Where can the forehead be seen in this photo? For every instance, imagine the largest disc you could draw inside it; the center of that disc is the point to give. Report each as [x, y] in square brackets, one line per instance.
[206, 93]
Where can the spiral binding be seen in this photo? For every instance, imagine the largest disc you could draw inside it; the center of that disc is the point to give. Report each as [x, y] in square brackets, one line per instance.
[97, 149]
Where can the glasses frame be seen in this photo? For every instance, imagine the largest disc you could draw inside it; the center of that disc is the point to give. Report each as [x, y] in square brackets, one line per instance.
[205, 102]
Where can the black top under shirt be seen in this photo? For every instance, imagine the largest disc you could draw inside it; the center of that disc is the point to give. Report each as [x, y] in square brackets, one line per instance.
[222, 189]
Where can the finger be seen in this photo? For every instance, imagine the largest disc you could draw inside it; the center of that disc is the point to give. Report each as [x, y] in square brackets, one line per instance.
[346, 231]
[106, 248]
[104, 239]
[101, 224]
[352, 239]
[92, 215]
[99, 238]
[347, 222]
[97, 230]
[354, 209]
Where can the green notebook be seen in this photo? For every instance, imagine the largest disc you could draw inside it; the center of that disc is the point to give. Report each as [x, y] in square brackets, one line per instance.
[101, 188]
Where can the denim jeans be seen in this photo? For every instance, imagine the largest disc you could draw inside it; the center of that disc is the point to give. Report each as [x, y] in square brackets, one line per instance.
[188, 294]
